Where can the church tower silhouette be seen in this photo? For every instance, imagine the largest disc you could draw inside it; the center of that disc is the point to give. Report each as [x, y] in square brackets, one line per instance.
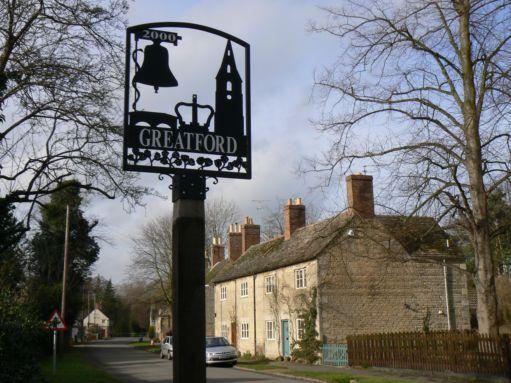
[229, 98]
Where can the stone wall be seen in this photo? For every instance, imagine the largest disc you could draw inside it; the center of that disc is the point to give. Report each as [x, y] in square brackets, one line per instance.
[284, 303]
[368, 285]
[210, 310]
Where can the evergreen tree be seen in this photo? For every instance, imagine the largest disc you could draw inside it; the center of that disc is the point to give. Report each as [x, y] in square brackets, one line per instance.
[110, 303]
[12, 233]
[46, 251]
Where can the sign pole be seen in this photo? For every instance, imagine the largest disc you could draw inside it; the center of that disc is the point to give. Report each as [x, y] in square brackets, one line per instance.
[54, 351]
[188, 316]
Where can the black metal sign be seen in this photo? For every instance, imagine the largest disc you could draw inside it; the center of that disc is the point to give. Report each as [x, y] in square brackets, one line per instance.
[193, 138]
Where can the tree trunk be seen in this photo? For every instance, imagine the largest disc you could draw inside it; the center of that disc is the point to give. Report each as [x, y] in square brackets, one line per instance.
[480, 232]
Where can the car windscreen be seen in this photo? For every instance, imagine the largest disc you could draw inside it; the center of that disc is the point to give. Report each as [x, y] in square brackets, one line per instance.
[216, 342]
[169, 340]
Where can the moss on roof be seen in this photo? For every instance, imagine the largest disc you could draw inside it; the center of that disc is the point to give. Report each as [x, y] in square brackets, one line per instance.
[419, 236]
[305, 244]
[217, 269]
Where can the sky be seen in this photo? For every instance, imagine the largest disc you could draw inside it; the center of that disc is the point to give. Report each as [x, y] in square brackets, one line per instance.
[285, 56]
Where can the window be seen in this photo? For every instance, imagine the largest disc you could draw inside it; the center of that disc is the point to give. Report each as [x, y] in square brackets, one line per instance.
[244, 289]
[223, 293]
[269, 283]
[225, 331]
[229, 86]
[244, 331]
[270, 330]
[300, 328]
[300, 279]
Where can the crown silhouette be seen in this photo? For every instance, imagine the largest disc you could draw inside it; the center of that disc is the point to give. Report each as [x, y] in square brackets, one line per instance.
[194, 125]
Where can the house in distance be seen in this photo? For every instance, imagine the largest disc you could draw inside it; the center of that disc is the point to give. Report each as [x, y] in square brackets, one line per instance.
[97, 325]
[370, 274]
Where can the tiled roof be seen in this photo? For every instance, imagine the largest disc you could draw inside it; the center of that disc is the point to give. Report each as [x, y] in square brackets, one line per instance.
[419, 236]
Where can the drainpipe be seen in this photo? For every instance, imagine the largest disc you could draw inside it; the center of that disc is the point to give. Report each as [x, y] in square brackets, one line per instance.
[236, 312]
[254, 304]
[447, 305]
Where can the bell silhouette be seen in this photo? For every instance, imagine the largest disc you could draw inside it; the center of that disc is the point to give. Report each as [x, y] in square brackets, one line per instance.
[155, 69]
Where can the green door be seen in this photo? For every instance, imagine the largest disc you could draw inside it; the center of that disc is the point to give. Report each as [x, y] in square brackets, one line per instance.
[285, 338]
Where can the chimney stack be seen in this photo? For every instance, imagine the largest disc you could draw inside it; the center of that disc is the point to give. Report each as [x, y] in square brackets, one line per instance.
[294, 217]
[360, 194]
[234, 242]
[250, 233]
[217, 251]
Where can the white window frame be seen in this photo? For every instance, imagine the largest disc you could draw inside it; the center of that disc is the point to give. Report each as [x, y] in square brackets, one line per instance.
[301, 278]
[270, 330]
[223, 293]
[244, 289]
[224, 330]
[300, 328]
[269, 284]
[245, 334]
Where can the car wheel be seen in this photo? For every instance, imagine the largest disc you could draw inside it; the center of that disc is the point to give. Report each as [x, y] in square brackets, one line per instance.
[161, 355]
[169, 357]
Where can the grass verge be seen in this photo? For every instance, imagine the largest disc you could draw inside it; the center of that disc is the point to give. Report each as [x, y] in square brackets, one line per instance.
[73, 367]
[340, 377]
[258, 364]
[146, 346]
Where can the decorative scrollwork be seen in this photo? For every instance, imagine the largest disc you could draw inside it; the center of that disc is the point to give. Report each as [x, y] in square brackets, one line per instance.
[162, 175]
[177, 160]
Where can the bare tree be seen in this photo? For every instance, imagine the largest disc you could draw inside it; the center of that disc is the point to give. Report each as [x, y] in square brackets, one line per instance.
[439, 70]
[220, 213]
[152, 256]
[152, 249]
[60, 79]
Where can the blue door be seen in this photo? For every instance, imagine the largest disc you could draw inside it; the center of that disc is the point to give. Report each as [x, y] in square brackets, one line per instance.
[285, 338]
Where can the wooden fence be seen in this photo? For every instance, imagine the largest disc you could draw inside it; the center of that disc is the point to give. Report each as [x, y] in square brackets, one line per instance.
[464, 352]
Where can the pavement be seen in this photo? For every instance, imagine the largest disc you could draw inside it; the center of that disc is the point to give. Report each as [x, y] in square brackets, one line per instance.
[135, 366]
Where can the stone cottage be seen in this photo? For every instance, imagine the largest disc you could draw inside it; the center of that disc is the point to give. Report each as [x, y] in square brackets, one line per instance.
[371, 273]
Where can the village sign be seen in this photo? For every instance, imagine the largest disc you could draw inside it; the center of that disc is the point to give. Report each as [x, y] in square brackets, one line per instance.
[168, 142]
[175, 134]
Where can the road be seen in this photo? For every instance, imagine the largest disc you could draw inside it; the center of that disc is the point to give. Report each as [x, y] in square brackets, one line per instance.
[134, 366]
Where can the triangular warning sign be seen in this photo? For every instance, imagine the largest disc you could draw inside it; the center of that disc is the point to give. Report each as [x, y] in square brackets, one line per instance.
[56, 323]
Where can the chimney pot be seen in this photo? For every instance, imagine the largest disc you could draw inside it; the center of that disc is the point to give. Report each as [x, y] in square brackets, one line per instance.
[360, 194]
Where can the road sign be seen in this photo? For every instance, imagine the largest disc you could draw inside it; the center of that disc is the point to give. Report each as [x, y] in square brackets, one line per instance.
[56, 323]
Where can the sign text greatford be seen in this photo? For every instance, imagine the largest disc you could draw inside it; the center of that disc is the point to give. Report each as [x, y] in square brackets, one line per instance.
[157, 138]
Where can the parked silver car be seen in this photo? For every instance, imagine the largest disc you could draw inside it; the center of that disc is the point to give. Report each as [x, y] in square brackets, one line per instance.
[166, 350]
[219, 351]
